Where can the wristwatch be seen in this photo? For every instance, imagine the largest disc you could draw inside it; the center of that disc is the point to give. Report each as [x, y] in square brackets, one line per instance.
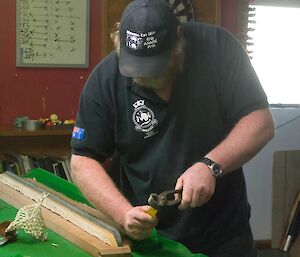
[213, 166]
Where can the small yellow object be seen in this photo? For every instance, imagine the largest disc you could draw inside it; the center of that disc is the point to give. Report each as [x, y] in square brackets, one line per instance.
[152, 212]
[67, 122]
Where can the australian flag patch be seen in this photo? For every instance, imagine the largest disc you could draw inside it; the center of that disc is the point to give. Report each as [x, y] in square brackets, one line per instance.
[78, 133]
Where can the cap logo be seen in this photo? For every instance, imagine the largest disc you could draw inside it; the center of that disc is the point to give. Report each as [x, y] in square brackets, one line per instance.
[148, 30]
[137, 41]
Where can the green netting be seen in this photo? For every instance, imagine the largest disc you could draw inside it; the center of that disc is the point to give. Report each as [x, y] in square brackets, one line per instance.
[154, 246]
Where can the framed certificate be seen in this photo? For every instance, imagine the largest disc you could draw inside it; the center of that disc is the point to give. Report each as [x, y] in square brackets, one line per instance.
[52, 33]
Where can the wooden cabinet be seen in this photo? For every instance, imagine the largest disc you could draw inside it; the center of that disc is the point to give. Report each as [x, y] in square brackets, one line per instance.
[46, 141]
[207, 11]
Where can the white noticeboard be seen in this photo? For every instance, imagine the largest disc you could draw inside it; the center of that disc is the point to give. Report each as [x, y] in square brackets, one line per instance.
[52, 33]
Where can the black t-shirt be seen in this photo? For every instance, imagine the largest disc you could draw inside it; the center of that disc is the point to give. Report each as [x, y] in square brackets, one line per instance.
[157, 140]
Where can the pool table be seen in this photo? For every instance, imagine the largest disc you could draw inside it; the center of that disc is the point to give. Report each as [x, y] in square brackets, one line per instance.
[56, 246]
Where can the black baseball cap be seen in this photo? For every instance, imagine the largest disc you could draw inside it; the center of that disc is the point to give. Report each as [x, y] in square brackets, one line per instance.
[148, 31]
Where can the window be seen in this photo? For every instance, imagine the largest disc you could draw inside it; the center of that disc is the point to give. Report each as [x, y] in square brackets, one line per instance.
[276, 52]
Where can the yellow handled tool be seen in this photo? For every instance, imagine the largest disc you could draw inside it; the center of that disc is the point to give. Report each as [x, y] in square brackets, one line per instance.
[166, 198]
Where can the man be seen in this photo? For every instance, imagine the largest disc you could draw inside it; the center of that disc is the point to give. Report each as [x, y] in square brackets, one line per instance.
[183, 108]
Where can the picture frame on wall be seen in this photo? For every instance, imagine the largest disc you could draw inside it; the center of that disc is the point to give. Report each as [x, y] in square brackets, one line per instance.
[52, 33]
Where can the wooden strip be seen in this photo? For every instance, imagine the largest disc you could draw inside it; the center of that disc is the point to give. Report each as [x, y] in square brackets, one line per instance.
[64, 228]
[279, 170]
[92, 211]
[292, 191]
[62, 210]
[292, 180]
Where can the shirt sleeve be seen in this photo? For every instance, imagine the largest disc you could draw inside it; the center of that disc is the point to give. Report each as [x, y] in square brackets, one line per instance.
[93, 134]
[239, 87]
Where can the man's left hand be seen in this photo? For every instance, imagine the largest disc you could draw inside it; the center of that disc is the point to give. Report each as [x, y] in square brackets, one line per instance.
[197, 184]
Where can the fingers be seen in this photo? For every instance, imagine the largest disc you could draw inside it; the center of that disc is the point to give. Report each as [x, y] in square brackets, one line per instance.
[198, 186]
[179, 184]
[137, 223]
[192, 198]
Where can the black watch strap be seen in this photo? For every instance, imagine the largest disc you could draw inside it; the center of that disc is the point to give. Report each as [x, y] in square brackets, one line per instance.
[213, 166]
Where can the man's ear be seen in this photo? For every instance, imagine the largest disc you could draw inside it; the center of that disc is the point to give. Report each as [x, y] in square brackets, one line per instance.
[115, 36]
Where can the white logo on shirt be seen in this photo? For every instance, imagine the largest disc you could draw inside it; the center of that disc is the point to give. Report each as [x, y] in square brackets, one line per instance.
[144, 118]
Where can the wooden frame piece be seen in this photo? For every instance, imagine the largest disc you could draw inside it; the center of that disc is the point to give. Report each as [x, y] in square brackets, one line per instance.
[17, 195]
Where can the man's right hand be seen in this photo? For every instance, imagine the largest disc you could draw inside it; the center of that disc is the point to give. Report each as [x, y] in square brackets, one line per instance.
[137, 223]
[88, 174]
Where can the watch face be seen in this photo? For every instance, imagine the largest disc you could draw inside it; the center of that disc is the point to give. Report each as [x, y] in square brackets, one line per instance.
[216, 169]
[183, 9]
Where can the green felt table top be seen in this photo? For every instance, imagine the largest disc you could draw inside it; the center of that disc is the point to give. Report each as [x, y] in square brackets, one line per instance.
[56, 246]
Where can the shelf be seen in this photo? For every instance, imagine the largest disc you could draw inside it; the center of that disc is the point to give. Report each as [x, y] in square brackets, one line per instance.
[54, 141]
[12, 132]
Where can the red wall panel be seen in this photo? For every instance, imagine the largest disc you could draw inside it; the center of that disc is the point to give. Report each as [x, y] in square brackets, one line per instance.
[38, 92]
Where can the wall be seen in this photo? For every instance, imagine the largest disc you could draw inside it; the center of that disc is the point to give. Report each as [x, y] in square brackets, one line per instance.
[258, 171]
[38, 92]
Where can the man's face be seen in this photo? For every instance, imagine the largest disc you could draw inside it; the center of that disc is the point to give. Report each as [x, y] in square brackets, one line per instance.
[156, 83]
[166, 79]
